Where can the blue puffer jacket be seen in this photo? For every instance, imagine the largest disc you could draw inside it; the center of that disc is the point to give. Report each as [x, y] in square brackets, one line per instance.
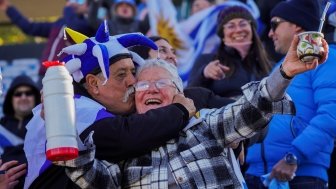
[310, 134]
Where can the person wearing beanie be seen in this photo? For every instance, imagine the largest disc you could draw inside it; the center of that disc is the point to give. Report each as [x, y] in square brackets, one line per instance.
[240, 58]
[297, 148]
[125, 8]
[122, 17]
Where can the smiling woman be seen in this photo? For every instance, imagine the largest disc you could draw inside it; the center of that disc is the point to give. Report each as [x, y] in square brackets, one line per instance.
[156, 90]
[240, 57]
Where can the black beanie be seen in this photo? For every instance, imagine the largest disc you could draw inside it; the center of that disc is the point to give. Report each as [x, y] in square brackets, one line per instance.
[232, 12]
[304, 13]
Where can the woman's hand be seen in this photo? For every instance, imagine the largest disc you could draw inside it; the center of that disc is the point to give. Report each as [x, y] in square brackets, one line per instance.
[215, 70]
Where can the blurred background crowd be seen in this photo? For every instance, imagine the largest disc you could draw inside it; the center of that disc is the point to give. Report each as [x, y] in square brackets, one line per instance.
[33, 31]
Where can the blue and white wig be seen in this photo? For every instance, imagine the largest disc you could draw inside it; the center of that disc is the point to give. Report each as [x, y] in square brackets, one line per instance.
[99, 52]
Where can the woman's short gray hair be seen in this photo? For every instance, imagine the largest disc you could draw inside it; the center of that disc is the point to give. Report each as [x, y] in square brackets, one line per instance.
[149, 63]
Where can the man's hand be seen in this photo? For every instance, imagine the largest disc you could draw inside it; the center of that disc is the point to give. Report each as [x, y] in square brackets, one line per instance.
[215, 70]
[186, 102]
[10, 174]
[292, 65]
[283, 171]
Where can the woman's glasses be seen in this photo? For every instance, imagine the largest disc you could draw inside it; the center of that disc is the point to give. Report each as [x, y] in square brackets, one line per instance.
[159, 84]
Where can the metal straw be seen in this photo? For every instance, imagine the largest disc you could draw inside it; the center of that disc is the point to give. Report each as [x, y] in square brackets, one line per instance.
[323, 16]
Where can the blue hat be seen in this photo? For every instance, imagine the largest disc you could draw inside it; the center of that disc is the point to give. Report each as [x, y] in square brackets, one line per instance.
[130, 2]
[304, 13]
[231, 12]
[100, 52]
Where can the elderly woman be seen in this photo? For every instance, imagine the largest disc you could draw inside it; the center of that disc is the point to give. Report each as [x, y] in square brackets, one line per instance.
[197, 157]
[240, 57]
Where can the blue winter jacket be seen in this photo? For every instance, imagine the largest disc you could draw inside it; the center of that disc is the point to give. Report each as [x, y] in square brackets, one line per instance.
[310, 133]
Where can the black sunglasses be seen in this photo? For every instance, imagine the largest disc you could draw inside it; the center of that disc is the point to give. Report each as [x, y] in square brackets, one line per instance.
[275, 23]
[26, 93]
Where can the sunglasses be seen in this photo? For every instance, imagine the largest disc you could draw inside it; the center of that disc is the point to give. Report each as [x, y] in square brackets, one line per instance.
[26, 93]
[275, 23]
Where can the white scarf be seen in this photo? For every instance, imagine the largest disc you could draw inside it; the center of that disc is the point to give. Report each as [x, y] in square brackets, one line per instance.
[35, 141]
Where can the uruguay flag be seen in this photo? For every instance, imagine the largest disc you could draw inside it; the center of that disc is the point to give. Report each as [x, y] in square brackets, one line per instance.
[8, 139]
[163, 22]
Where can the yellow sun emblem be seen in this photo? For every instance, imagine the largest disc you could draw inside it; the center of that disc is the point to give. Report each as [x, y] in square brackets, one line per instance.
[165, 30]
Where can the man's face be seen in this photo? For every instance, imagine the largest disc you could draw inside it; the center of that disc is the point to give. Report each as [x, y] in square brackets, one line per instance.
[112, 94]
[23, 100]
[199, 5]
[124, 10]
[282, 33]
[156, 89]
[166, 51]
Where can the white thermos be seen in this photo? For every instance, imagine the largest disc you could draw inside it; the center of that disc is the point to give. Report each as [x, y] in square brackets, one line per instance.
[59, 112]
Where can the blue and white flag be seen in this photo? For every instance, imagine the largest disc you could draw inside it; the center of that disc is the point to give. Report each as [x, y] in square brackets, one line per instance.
[8, 139]
[192, 37]
[163, 22]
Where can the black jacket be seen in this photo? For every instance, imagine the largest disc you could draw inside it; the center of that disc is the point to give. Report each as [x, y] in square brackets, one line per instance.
[117, 25]
[227, 87]
[11, 124]
[205, 98]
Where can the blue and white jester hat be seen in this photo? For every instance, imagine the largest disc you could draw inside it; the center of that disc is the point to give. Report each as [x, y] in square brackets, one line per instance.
[90, 54]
